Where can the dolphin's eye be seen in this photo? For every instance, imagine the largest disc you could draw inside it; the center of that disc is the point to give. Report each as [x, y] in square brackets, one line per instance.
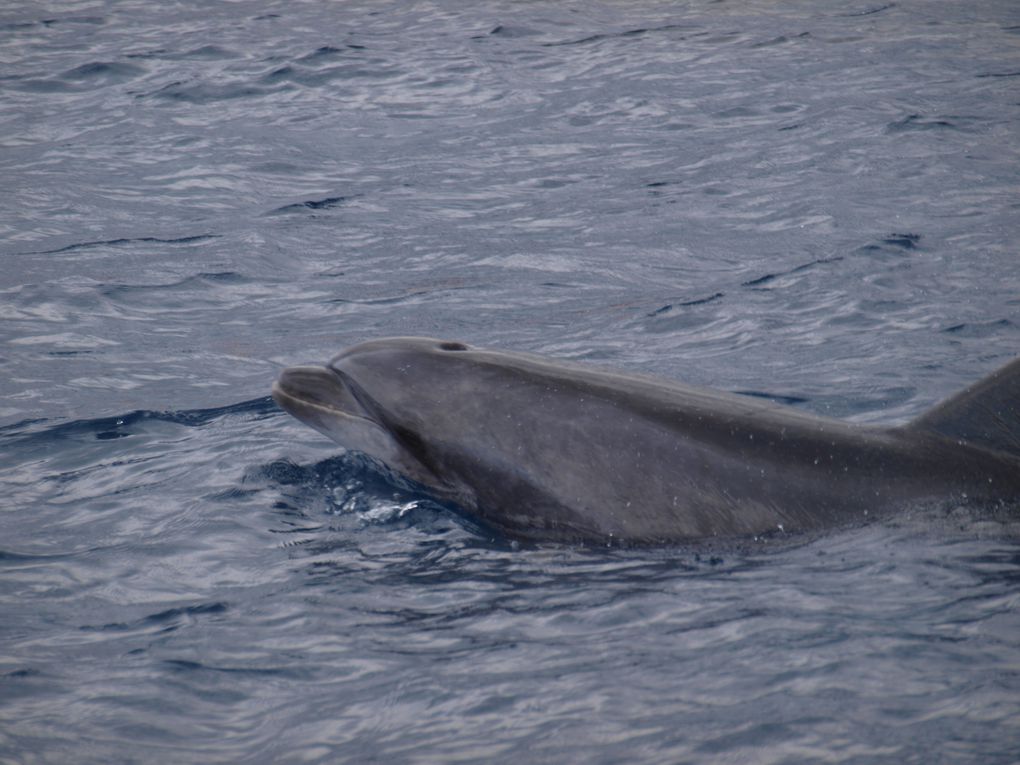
[452, 347]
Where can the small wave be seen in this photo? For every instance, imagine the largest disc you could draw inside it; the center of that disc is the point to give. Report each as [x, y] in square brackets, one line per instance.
[913, 122]
[327, 203]
[211, 53]
[167, 620]
[669, 307]
[208, 93]
[628, 33]
[898, 241]
[184, 665]
[325, 52]
[92, 20]
[869, 11]
[761, 281]
[107, 428]
[776, 397]
[123, 241]
[980, 329]
[105, 71]
[508, 31]
[200, 281]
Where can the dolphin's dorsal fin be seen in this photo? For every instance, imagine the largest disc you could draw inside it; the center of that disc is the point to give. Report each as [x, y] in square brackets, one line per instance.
[987, 414]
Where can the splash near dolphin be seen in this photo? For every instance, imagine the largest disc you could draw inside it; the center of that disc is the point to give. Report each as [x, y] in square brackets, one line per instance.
[546, 450]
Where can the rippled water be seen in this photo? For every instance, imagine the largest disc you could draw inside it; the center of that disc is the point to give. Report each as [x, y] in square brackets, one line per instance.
[813, 201]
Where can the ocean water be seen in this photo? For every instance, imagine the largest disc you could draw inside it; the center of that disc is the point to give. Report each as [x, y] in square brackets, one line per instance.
[813, 201]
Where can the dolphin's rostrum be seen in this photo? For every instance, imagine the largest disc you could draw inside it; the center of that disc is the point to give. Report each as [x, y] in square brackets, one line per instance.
[541, 449]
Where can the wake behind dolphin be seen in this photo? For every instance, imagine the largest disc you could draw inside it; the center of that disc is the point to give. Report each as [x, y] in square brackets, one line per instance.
[541, 449]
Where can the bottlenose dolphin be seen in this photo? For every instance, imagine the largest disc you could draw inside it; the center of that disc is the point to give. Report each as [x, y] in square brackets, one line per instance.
[548, 450]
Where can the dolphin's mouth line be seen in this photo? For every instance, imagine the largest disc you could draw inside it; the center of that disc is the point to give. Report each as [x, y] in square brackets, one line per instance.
[320, 390]
[333, 403]
[278, 392]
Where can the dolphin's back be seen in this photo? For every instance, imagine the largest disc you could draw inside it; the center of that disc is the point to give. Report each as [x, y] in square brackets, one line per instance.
[556, 450]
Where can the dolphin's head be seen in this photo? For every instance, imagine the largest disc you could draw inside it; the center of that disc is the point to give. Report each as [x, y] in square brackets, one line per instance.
[380, 398]
[519, 442]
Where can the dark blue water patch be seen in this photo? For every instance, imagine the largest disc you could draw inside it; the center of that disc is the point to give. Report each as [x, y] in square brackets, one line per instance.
[327, 203]
[893, 243]
[303, 76]
[918, 122]
[21, 683]
[18, 674]
[509, 31]
[216, 277]
[875, 399]
[558, 285]
[999, 74]
[781, 40]
[625, 34]
[104, 72]
[201, 93]
[79, 78]
[670, 307]
[353, 469]
[357, 490]
[90, 20]
[21, 427]
[674, 320]
[36, 85]
[405, 297]
[202, 53]
[321, 66]
[285, 473]
[199, 281]
[211, 53]
[903, 241]
[326, 52]
[7, 556]
[290, 74]
[760, 736]
[778, 398]
[197, 667]
[737, 112]
[231, 495]
[122, 241]
[761, 281]
[980, 329]
[27, 433]
[556, 183]
[167, 620]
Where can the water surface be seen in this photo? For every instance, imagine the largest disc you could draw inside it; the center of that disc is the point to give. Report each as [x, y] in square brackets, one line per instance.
[813, 201]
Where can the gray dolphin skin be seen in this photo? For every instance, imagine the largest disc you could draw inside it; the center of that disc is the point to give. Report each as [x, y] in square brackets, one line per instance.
[546, 450]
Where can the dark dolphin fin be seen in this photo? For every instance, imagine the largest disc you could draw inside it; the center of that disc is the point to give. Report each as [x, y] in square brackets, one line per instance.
[986, 414]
